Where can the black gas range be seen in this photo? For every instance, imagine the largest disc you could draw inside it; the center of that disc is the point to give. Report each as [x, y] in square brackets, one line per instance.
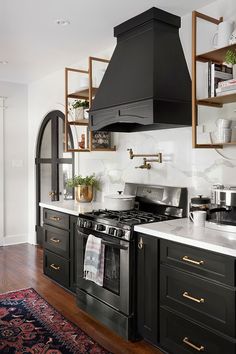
[114, 303]
[118, 223]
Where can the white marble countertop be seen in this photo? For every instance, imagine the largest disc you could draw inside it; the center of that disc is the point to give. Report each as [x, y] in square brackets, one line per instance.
[71, 206]
[183, 231]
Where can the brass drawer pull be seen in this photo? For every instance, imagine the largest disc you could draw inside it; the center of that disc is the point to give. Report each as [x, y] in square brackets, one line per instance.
[199, 349]
[55, 218]
[53, 266]
[55, 240]
[199, 301]
[186, 259]
[140, 243]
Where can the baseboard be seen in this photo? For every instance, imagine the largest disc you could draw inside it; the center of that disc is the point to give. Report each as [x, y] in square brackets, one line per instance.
[15, 239]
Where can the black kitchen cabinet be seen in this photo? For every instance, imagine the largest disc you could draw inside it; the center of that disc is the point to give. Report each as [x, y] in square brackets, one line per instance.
[73, 253]
[147, 287]
[59, 247]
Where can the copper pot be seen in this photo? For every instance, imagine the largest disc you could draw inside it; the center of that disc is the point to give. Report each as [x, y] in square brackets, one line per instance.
[84, 193]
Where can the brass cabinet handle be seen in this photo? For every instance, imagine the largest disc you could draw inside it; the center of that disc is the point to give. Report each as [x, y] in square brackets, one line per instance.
[199, 349]
[140, 243]
[53, 266]
[55, 240]
[199, 301]
[186, 259]
[55, 218]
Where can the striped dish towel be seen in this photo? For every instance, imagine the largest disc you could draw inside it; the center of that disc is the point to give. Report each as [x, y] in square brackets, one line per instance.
[94, 260]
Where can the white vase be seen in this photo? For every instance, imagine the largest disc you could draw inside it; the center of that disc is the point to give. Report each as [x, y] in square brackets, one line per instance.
[79, 113]
[234, 71]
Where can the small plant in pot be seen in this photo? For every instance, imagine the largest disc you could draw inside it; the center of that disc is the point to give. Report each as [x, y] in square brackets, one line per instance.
[80, 108]
[230, 58]
[84, 187]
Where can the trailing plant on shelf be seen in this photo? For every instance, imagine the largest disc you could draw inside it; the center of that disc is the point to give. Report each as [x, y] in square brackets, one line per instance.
[78, 109]
[80, 104]
[230, 57]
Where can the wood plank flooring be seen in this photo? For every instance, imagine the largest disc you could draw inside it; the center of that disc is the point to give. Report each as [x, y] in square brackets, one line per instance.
[21, 267]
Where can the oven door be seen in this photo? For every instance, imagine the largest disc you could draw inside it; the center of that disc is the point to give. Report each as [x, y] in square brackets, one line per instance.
[116, 283]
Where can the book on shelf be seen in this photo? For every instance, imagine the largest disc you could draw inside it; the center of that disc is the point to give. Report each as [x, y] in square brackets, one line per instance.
[224, 93]
[217, 73]
[226, 88]
[227, 83]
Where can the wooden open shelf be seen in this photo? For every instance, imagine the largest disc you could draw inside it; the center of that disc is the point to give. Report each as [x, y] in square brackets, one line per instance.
[85, 93]
[217, 101]
[82, 94]
[83, 122]
[217, 56]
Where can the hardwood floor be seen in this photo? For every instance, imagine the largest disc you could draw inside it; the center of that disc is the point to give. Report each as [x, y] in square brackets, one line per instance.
[21, 267]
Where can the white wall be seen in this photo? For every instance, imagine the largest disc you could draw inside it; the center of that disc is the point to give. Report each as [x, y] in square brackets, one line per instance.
[15, 163]
[182, 166]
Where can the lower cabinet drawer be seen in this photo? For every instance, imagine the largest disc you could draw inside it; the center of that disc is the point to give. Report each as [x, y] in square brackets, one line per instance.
[57, 240]
[178, 336]
[57, 268]
[203, 301]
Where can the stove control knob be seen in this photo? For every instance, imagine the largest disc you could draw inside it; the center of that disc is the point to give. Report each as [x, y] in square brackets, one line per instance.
[112, 231]
[88, 224]
[81, 223]
[100, 227]
[120, 233]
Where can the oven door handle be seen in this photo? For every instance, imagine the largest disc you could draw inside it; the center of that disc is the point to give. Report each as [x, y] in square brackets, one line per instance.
[120, 247]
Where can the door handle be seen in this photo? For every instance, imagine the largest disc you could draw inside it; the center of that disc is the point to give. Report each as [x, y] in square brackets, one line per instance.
[140, 243]
[55, 240]
[199, 349]
[189, 260]
[199, 301]
[53, 266]
[54, 218]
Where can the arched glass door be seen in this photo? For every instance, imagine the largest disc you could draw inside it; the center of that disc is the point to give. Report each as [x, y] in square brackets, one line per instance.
[53, 165]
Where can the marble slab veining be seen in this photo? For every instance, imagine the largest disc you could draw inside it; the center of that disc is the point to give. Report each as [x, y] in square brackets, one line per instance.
[71, 206]
[183, 231]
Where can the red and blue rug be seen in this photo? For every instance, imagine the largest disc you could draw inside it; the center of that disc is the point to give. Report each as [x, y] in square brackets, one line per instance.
[28, 324]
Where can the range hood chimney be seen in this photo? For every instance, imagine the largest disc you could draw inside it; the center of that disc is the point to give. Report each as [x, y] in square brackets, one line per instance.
[147, 85]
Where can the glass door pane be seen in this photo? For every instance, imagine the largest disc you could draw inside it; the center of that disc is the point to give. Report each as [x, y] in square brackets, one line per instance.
[65, 172]
[45, 182]
[46, 144]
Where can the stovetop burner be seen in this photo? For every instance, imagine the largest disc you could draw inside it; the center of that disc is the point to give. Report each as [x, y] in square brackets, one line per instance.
[129, 217]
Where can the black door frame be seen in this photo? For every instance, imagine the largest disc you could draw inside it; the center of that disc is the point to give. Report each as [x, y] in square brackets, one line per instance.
[54, 160]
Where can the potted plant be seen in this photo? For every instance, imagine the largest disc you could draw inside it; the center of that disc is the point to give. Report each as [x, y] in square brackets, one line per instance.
[80, 108]
[84, 187]
[230, 58]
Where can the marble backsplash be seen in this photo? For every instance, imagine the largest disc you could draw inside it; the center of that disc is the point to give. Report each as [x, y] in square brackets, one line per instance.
[182, 166]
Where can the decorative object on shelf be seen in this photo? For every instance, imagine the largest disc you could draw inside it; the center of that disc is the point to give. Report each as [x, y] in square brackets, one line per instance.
[146, 163]
[222, 35]
[84, 187]
[230, 58]
[232, 38]
[101, 140]
[80, 109]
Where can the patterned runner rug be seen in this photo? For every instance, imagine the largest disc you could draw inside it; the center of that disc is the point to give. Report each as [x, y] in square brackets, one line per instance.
[28, 324]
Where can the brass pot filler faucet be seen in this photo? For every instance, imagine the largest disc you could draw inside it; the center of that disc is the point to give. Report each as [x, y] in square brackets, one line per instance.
[146, 163]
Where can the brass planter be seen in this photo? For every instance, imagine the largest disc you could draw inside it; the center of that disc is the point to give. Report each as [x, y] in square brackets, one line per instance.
[84, 194]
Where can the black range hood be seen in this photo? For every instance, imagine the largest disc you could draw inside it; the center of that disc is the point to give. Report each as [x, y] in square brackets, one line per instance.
[147, 85]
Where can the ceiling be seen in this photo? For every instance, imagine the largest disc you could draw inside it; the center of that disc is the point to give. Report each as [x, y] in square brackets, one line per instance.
[34, 45]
